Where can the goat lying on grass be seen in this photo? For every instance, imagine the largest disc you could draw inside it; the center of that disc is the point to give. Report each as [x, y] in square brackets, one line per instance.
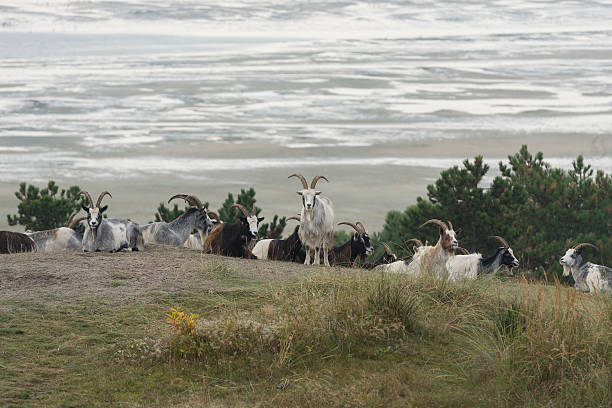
[473, 265]
[15, 242]
[588, 277]
[59, 239]
[233, 239]
[109, 234]
[280, 249]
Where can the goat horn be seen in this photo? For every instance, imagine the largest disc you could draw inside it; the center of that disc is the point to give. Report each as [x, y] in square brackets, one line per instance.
[387, 249]
[191, 199]
[72, 222]
[104, 193]
[584, 244]
[500, 239]
[450, 225]
[254, 210]
[350, 224]
[463, 250]
[360, 225]
[214, 215]
[415, 240]
[242, 208]
[86, 194]
[294, 218]
[302, 179]
[313, 184]
[434, 221]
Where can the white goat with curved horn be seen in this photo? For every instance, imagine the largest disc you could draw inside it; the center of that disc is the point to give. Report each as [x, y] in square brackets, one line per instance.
[317, 220]
[588, 277]
[177, 232]
[109, 234]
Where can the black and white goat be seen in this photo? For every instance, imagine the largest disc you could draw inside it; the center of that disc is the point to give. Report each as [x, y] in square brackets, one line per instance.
[233, 239]
[108, 234]
[386, 258]
[16, 242]
[59, 239]
[471, 266]
[280, 249]
[316, 220]
[355, 250]
[588, 277]
[177, 232]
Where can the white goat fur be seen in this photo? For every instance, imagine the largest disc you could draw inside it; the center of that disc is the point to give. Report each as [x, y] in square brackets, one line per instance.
[316, 221]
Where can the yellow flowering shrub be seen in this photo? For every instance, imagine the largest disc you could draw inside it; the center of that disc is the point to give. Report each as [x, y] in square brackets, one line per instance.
[181, 322]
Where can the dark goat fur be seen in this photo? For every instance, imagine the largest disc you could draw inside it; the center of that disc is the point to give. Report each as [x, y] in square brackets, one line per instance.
[348, 253]
[15, 242]
[286, 249]
[229, 239]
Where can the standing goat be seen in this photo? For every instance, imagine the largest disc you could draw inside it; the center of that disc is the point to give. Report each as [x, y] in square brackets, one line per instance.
[316, 220]
[473, 265]
[59, 239]
[280, 249]
[355, 249]
[177, 232]
[108, 234]
[15, 242]
[233, 239]
[588, 277]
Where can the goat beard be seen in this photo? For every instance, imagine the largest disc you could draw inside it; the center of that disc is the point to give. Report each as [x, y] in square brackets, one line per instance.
[567, 271]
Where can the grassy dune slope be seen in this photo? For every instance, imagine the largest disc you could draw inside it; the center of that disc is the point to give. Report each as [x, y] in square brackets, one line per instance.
[90, 330]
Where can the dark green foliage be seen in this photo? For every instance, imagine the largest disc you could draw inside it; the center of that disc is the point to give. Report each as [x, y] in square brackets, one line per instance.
[340, 237]
[164, 214]
[274, 229]
[540, 210]
[44, 209]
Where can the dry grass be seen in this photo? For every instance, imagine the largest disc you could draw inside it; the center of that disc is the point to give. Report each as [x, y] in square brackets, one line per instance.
[279, 334]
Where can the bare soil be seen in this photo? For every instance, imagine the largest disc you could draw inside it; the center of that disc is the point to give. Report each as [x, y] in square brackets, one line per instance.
[128, 276]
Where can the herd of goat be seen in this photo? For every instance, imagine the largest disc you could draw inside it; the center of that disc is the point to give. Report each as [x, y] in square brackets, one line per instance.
[310, 241]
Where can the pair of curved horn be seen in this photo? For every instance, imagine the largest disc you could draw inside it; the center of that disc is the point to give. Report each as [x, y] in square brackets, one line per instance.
[357, 227]
[245, 212]
[191, 199]
[213, 215]
[72, 222]
[439, 223]
[313, 183]
[91, 204]
[584, 244]
[463, 251]
[416, 241]
[501, 240]
[387, 248]
[293, 217]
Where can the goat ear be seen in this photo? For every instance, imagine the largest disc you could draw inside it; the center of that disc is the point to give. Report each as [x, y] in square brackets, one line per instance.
[299, 192]
[243, 219]
[102, 209]
[85, 208]
[260, 219]
[317, 192]
[355, 237]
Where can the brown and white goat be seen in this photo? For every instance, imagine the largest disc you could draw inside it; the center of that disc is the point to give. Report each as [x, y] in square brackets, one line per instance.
[233, 239]
[16, 242]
